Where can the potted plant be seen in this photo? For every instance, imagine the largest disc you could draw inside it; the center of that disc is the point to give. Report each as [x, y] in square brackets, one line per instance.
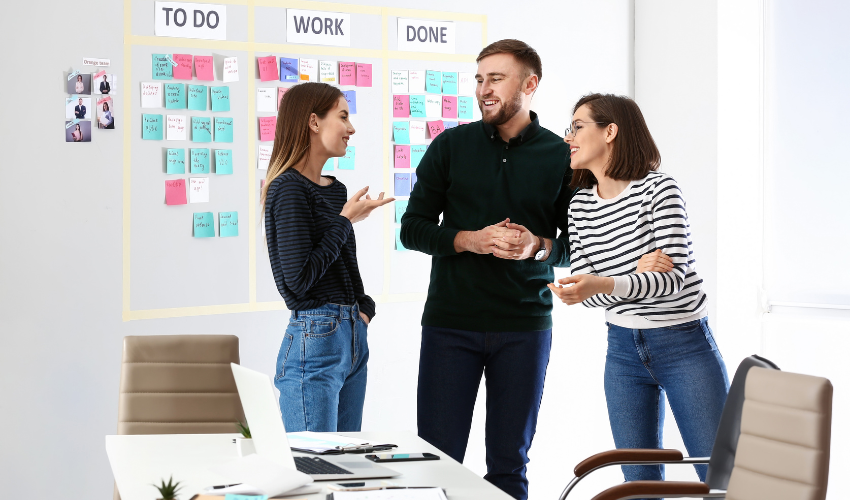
[167, 491]
[244, 444]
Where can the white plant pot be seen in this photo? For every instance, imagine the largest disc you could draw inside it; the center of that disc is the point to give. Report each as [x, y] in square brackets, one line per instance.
[245, 447]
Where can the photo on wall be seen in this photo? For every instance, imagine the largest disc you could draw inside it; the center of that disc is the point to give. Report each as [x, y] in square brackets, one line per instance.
[77, 132]
[103, 83]
[80, 84]
[105, 118]
[78, 107]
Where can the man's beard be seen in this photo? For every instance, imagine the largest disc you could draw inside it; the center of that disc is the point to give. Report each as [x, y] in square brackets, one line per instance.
[507, 111]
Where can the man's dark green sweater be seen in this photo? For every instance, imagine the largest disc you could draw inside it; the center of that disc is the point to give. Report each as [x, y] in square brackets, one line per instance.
[476, 179]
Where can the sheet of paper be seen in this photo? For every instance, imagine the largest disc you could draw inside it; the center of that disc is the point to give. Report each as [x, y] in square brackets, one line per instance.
[175, 127]
[199, 161]
[231, 70]
[346, 162]
[223, 129]
[199, 189]
[401, 106]
[308, 70]
[415, 81]
[201, 129]
[328, 72]
[399, 80]
[268, 477]
[433, 82]
[267, 127]
[162, 68]
[464, 107]
[204, 68]
[402, 157]
[418, 132]
[175, 192]
[183, 70]
[175, 96]
[223, 162]
[400, 208]
[203, 225]
[152, 127]
[416, 154]
[151, 95]
[449, 106]
[401, 184]
[329, 165]
[466, 84]
[351, 99]
[409, 494]
[433, 106]
[364, 75]
[450, 82]
[413, 180]
[347, 73]
[435, 128]
[264, 155]
[175, 161]
[280, 92]
[417, 106]
[400, 247]
[268, 68]
[197, 97]
[228, 224]
[401, 132]
[220, 97]
[266, 99]
[288, 69]
[449, 124]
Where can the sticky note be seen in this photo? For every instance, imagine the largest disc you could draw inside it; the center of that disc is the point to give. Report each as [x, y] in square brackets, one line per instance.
[329, 165]
[175, 192]
[416, 154]
[199, 161]
[162, 66]
[197, 97]
[464, 107]
[199, 189]
[400, 208]
[398, 245]
[466, 84]
[268, 68]
[328, 72]
[450, 82]
[175, 127]
[401, 106]
[230, 73]
[401, 184]
[351, 99]
[364, 75]
[449, 106]
[401, 132]
[435, 128]
[267, 127]
[223, 162]
[433, 106]
[415, 81]
[175, 96]
[433, 81]
[399, 81]
[204, 68]
[175, 162]
[228, 224]
[347, 73]
[448, 124]
[402, 157]
[203, 225]
[280, 92]
[308, 70]
[264, 155]
[266, 99]
[417, 106]
[418, 132]
[346, 162]
[288, 69]
[183, 70]
[152, 127]
[220, 97]
[151, 95]
[463, 123]
[413, 180]
[201, 129]
[223, 129]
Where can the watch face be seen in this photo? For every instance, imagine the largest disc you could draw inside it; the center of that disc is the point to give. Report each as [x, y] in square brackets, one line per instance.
[539, 255]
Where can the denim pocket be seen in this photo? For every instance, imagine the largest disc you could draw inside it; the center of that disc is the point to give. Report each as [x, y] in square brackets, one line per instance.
[323, 327]
[709, 337]
[690, 325]
[282, 356]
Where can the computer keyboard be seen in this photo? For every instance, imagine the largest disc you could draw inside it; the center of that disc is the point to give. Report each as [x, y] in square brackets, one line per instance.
[316, 465]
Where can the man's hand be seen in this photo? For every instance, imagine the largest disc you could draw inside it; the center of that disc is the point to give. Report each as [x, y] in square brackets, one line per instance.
[480, 241]
[517, 244]
[583, 287]
[364, 317]
[656, 261]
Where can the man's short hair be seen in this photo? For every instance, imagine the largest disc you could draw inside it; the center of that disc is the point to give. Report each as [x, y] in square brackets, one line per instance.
[523, 53]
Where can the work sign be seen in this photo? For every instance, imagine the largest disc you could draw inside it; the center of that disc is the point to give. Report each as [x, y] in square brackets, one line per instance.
[318, 27]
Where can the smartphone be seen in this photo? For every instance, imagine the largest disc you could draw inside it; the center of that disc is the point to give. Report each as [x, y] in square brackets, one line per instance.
[360, 485]
[401, 457]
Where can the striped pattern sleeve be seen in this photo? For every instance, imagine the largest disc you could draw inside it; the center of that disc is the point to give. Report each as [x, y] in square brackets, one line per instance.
[580, 264]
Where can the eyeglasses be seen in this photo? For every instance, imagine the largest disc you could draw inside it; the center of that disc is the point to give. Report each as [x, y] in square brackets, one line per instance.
[571, 129]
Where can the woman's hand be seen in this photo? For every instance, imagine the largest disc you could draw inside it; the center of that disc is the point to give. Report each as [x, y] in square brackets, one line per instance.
[364, 317]
[583, 287]
[656, 262]
[357, 209]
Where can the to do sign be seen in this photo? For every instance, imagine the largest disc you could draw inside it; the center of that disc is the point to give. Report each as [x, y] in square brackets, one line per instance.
[191, 20]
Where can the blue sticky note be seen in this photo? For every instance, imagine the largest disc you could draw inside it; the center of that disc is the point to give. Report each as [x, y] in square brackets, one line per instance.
[231, 496]
[175, 161]
[199, 161]
[398, 245]
[224, 129]
[433, 83]
[152, 127]
[201, 129]
[288, 70]
[450, 82]
[175, 96]
[329, 165]
[162, 68]
[417, 106]
[351, 97]
[416, 154]
[401, 132]
[413, 180]
[400, 208]
[197, 97]
[228, 224]
[220, 98]
[203, 225]
[223, 161]
[346, 162]
[447, 125]
[464, 107]
[401, 184]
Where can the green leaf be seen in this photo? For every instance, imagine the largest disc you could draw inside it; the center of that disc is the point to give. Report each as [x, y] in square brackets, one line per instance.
[246, 432]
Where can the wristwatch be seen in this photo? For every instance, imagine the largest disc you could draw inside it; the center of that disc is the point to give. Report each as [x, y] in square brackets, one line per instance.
[541, 252]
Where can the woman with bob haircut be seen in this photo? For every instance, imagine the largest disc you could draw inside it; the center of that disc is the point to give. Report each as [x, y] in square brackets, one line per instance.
[321, 366]
[659, 341]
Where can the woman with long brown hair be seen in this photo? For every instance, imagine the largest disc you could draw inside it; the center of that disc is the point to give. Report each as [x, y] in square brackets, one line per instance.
[321, 366]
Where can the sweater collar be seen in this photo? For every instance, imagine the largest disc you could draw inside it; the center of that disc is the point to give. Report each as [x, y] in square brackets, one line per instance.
[526, 133]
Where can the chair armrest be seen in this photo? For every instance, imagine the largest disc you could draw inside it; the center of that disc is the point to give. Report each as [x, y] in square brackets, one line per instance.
[626, 455]
[644, 489]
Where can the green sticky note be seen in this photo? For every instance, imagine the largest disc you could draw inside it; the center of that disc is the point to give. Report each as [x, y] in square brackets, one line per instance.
[329, 165]
[162, 67]
[416, 154]
[347, 162]
[201, 129]
[400, 208]
[223, 129]
[175, 96]
[417, 106]
[175, 161]
[203, 225]
[152, 127]
[223, 161]
[228, 224]
[232, 496]
[398, 245]
[197, 97]
[401, 132]
[199, 161]
[220, 98]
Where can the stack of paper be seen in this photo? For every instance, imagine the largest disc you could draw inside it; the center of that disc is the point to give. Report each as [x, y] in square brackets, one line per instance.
[319, 442]
[392, 494]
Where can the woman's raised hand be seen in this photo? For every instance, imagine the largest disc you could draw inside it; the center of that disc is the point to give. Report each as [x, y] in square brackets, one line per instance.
[357, 209]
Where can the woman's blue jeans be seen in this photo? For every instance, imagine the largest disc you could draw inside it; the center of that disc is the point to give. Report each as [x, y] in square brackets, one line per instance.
[681, 361]
[321, 370]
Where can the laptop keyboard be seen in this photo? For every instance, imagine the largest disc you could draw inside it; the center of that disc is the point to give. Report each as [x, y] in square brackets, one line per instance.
[316, 465]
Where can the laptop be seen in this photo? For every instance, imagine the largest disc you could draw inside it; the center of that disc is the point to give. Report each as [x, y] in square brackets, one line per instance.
[269, 435]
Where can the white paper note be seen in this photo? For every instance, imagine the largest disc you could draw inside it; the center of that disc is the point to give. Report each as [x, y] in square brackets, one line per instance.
[416, 81]
[264, 155]
[152, 95]
[231, 70]
[328, 72]
[199, 189]
[434, 106]
[262, 475]
[466, 84]
[406, 494]
[267, 99]
[399, 81]
[310, 68]
[418, 134]
[176, 128]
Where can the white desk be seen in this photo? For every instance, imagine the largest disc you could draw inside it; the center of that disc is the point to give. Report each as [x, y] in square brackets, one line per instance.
[147, 459]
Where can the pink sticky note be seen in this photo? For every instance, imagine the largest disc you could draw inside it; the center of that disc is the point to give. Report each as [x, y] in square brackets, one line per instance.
[203, 68]
[268, 68]
[364, 75]
[449, 106]
[183, 70]
[99, 75]
[105, 99]
[436, 128]
[347, 72]
[280, 92]
[401, 106]
[463, 123]
[267, 127]
[402, 157]
[175, 192]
